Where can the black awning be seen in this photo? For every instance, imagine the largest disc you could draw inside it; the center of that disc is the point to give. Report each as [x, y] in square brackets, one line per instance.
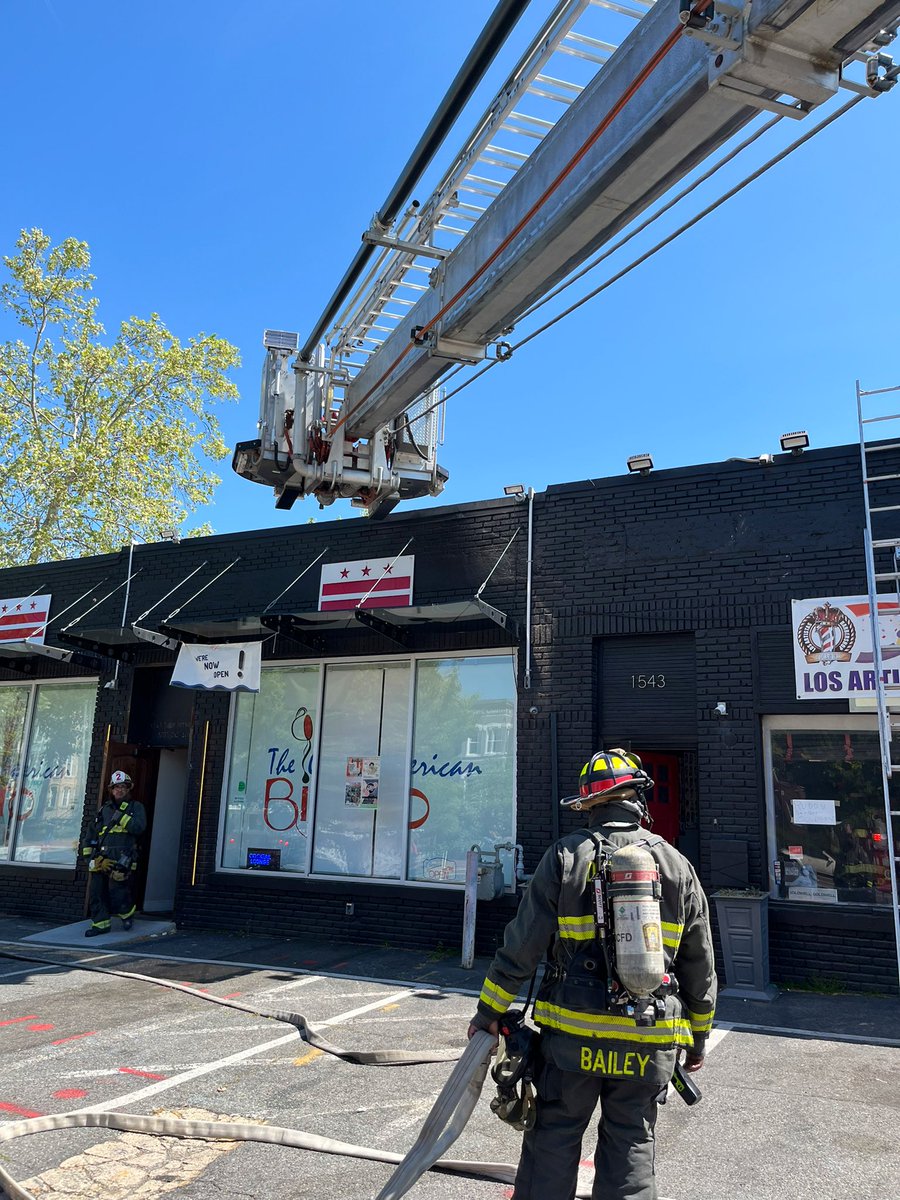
[20, 656]
[109, 641]
[397, 624]
[236, 629]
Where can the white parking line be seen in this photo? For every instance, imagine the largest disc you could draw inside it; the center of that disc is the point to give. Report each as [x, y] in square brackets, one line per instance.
[165, 1085]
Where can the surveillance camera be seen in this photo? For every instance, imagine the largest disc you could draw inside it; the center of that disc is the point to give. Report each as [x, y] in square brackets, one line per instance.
[721, 708]
[534, 710]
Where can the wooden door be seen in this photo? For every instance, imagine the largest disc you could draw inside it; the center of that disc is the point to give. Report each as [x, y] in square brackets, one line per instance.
[664, 800]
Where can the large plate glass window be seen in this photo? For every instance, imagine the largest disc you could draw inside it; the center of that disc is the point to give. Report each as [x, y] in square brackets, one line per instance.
[463, 764]
[826, 810]
[270, 778]
[13, 708]
[363, 770]
[43, 798]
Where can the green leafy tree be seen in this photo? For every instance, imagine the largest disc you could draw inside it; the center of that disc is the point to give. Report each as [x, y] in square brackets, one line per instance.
[100, 440]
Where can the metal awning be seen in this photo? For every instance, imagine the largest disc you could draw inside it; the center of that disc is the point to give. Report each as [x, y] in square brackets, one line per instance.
[236, 629]
[18, 656]
[108, 641]
[397, 624]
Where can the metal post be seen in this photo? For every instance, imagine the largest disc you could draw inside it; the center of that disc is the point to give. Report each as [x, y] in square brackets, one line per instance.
[471, 901]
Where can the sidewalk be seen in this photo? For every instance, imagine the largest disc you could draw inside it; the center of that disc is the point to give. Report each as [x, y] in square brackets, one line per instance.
[863, 1018]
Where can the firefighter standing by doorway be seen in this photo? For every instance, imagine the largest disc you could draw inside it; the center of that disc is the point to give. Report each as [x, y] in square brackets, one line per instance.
[595, 1043]
[111, 850]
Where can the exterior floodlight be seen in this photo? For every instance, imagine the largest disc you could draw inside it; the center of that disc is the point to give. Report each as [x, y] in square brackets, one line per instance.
[640, 462]
[514, 489]
[795, 442]
[277, 339]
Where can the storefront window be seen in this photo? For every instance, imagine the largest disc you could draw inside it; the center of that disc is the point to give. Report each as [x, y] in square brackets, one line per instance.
[463, 763]
[43, 806]
[13, 707]
[271, 771]
[362, 775]
[827, 820]
[379, 779]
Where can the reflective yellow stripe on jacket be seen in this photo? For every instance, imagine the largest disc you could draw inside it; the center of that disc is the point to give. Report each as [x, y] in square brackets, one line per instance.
[495, 997]
[671, 932]
[577, 929]
[673, 1030]
[700, 1022]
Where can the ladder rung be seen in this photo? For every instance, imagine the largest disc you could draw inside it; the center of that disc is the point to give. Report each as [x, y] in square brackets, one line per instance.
[879, 478]
[888, 575]
[885, 508]
[886, 544]
[886, 417]
[880, 449]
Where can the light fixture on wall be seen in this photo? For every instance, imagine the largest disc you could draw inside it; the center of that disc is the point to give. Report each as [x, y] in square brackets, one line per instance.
[795, 442]
[515, 489]
[640, 462]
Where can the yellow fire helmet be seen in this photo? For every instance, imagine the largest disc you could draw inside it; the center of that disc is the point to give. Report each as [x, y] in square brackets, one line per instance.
[608, 774]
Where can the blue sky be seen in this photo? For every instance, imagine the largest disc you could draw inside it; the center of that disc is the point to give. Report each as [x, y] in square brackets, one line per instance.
[222, 159]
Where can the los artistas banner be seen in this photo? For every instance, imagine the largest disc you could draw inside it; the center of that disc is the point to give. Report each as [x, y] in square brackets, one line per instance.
[833, 648]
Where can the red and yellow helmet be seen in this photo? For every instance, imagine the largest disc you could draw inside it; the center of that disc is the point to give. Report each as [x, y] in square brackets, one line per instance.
[608, 774]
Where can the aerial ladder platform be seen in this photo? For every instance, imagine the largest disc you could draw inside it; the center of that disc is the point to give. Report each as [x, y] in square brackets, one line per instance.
[583, 136]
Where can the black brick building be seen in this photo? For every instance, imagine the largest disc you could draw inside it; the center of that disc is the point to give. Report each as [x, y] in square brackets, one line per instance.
[659, 619]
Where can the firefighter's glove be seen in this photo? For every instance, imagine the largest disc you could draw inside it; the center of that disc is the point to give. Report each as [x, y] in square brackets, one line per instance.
[481, 1021]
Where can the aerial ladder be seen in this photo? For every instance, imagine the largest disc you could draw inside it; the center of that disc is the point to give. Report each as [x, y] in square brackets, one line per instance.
[563, 159]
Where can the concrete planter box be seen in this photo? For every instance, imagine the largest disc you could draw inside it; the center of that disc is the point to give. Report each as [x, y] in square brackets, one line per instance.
[743, 918]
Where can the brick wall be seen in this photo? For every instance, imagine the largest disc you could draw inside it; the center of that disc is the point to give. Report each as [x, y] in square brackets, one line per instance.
[715, 552]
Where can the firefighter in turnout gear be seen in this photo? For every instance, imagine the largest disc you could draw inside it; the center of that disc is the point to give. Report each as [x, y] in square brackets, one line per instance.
[111, 851]
[615, 1007]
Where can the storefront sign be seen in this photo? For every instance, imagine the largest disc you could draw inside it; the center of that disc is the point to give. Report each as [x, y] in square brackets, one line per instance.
[814, 812]
[24, 618]
[833, 653]
[367, 583]
[813, 895]
[227, 668]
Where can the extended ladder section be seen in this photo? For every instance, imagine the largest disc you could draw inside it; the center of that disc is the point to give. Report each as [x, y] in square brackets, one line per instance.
[612, 104]
[880, 457]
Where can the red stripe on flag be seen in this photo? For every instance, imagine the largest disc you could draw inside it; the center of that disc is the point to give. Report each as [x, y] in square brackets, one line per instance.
[398, 601]
[19, 617]
[20, 633]
[361, 586]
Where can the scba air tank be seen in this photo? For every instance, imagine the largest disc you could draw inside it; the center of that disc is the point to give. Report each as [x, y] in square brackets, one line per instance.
[634, 893]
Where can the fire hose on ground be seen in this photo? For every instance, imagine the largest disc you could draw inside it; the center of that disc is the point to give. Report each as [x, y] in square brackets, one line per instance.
[443, 1125]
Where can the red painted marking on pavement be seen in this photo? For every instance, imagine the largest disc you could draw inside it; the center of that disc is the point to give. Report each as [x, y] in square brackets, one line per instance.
[40, 1028]
[69, 1094]
[22, 1112]
[73, 1036]
[587, 1162]
[145, 1074]
[231, 996]
[13, 1020]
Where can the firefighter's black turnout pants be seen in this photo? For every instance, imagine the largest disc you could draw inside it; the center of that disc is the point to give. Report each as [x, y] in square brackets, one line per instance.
[624, 1160]
[107, 895]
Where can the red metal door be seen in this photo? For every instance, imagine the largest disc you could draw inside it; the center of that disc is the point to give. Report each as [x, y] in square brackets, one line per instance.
[664, 800]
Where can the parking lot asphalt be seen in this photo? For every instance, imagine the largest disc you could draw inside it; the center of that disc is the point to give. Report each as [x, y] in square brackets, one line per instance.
[800, 1095]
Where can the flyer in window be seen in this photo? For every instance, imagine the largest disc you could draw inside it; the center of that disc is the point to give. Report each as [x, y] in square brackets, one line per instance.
[354, 768]
[353, 794]
[369, 792]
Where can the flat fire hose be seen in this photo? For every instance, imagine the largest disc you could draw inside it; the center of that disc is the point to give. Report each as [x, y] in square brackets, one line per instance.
[443, 1125]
